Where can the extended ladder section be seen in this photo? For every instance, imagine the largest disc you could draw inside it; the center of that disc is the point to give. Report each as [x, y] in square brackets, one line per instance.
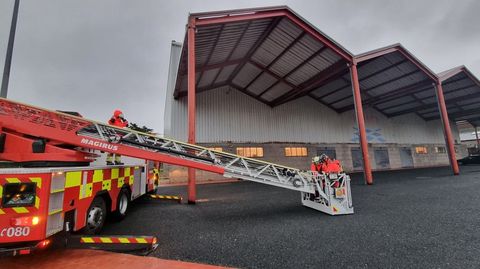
[326, 193]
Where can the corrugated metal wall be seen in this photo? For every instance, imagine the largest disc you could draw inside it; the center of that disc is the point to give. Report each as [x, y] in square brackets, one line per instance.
[226, 114]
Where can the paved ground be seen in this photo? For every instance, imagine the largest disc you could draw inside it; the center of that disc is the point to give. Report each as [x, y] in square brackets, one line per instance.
[408, 219]
[88, 259]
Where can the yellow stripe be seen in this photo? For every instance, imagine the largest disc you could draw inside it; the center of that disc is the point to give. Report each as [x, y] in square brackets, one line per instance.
[107, 184]
[2, 212]
[97, 176]
[120, 182]
[37, 202]
[123, 240]
[1, 191]
[105, 240]
[12, 180]
[87, 239]
[37, 180]
[88, 190]
[55, 191]
[141, 240]
[73, 179]
[20, 210]
[114, 173]
[55, 212]
[126, 172]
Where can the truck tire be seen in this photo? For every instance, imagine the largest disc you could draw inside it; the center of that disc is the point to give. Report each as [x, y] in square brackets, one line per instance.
[96, 215]
[123, 203]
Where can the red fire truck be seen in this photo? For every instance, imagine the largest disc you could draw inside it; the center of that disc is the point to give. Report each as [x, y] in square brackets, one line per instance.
[48, 184]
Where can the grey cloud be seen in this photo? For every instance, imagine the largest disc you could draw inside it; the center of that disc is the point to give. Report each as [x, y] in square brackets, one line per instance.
[94, 56]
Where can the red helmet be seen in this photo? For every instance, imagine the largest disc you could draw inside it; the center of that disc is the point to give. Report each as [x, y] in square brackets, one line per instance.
[117, 113]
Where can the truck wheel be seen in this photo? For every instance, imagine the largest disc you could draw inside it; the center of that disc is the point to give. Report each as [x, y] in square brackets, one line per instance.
[123, 202]
[96, 215]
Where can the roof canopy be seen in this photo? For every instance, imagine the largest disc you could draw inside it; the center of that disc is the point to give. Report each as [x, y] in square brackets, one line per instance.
[271, 54]
[462, 95]
[275, 56]
[391, 79]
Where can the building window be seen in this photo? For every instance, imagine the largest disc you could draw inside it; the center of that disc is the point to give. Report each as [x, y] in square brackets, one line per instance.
[440, 150]
[381, 158]
[296, 151]
[250, 152]
[357, 159]
[216, 149]
[421, 150]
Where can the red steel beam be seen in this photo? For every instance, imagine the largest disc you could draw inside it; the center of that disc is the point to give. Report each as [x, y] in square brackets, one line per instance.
[378, 53]
[277, 13]
[318, 52]
[254, 48]
[267, 68]
[212, 50]
[240, 38]
[322, 77]
[446, 127]
[404, 52]
[192, 189]
[366, 77]
[433, 105]
[459, 114]
[204, 89]
[240, 89]
[237, 18]
[313, 32]
[367, 170]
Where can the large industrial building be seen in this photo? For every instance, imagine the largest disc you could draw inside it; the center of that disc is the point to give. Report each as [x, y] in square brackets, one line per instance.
[266, 84]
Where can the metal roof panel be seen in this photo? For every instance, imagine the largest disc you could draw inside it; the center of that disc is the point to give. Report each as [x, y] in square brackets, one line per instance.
[278, 90]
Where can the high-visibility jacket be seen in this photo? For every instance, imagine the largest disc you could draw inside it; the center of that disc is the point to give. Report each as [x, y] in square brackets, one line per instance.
[327, 166]
[118, 121]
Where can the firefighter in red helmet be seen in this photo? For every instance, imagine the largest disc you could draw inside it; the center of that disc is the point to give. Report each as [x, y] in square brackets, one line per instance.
[117, 120]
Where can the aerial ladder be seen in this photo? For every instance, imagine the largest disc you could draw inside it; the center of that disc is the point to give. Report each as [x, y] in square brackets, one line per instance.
[56, 136]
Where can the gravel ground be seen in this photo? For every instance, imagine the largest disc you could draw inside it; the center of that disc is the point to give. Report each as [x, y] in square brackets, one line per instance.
[422, 218]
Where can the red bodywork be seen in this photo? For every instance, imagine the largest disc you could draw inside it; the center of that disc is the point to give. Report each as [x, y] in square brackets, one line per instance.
[31, 134]
[39, 209]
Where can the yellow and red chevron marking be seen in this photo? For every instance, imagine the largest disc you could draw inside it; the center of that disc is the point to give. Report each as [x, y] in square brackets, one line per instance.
[15, 179]
[118, 240]
[166, 197]
[87, 182]
[81, 187]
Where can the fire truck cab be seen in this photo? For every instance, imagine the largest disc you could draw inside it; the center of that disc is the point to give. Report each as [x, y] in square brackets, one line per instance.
[37, 203]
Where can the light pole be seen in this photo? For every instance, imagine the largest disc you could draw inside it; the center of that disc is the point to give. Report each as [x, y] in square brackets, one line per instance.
[8, 57]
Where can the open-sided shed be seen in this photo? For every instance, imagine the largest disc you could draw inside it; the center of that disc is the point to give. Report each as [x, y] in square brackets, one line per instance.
[275, 56]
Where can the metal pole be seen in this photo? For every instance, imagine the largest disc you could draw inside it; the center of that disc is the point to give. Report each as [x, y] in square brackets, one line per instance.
[191, 104]
[357, 98]
[476, 136]
[446, 127]
[8, 57]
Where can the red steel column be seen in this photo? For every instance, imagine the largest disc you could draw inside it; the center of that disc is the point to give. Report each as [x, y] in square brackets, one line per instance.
[192, 188]
[446, 127]
[357, 98]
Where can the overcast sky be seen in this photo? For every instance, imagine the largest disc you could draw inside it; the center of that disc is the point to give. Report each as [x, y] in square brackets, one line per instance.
[93, 56]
